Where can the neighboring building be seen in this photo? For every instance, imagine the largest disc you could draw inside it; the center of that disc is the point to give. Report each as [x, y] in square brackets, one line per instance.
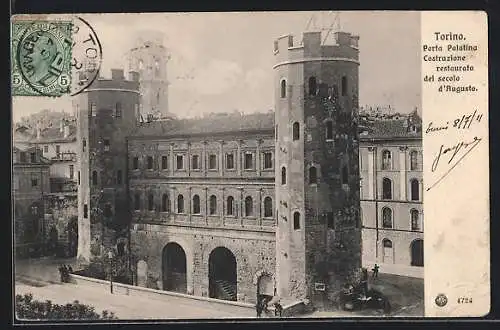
[149, 58]
[30, 184]
[231, 205]
[58, 144]
[391, 195]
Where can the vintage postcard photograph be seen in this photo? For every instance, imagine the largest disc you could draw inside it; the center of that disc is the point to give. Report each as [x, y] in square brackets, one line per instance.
[251, 165]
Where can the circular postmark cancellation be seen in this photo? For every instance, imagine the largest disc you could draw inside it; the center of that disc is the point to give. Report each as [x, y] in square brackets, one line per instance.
[87, 56]
[441, 300]
[54, 58]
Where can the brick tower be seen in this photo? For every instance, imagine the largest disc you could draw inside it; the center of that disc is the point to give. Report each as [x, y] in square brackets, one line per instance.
[107, 112]
[318, 236]
[149, 57]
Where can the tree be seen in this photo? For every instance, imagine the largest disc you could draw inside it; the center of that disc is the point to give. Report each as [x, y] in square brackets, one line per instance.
[27, 308]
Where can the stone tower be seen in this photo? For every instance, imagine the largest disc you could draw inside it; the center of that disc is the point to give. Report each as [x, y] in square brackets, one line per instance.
[149, 57]
[318, 235]
[107, 112]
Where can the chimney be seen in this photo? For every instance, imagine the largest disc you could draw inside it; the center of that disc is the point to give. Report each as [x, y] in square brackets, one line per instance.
[117, 74]
[38, 131]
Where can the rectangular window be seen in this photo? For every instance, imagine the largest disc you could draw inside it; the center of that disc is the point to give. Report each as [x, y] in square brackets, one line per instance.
[268, 160]
[58, 150]
[84, 144]
[212, 162]
[118, 110]
[85, 211]
[248, 161]
[34, 180]
[330, 220]
[78, 177]
[106, 144]
[23, 157]
[180, 162]
[93, 109]
[45, 149]
[195, 164]
[230, 161]
[150, 162]
[135, 162]
[164, 162]
[71, 172]
[33, 157]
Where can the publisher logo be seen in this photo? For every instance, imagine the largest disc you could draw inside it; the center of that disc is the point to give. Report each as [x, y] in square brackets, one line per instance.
[441, 300]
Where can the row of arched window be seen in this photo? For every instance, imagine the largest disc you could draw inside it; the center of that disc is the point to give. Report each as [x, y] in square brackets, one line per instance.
[387, 189]
[313, 87]
[387, 219]
[213, 206]
[387, 160]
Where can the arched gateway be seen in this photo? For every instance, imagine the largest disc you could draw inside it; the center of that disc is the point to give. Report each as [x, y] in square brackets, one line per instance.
[174, 268]
[222, 273]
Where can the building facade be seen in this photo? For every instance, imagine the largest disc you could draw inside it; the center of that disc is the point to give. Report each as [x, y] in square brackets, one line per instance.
[231, 206]
[392, 195]
[30, 184]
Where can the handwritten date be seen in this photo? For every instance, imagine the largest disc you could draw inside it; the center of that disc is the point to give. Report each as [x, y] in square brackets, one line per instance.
[460, 123]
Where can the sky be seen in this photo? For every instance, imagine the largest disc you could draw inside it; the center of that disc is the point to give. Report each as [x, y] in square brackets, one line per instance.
[230, 57]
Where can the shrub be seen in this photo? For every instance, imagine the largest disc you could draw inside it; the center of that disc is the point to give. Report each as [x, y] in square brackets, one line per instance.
[27, 308]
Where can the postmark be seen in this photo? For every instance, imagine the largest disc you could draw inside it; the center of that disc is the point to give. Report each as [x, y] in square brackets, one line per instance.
[54, 58]
[41, 58]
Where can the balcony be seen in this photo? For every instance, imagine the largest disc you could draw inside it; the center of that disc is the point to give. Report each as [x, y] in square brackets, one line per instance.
[65, 156]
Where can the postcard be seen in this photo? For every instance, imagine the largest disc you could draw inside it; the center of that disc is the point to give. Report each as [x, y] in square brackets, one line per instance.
[250, 165]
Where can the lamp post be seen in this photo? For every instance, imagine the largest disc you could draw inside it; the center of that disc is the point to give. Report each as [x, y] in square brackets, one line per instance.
[110, 257]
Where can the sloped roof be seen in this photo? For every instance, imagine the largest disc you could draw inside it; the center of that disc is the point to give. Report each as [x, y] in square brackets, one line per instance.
[387, 129]
[213, 124]
[48, 135]
[43, 160]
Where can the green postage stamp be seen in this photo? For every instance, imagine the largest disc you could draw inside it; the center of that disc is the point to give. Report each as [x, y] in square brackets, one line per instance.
[41, 58]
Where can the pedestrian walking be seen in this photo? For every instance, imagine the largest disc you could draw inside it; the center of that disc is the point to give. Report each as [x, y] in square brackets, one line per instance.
[375, 271]
[70, 270]
[61, 274]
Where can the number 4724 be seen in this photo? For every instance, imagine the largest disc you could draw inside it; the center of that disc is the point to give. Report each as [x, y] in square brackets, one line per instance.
[464, 300]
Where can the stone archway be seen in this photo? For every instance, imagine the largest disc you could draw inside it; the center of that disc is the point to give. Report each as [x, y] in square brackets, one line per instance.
[174, 268]
[222, 274]
[417, 253]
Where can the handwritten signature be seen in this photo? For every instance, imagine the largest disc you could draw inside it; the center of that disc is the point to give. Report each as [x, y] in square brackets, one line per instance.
[457, 151]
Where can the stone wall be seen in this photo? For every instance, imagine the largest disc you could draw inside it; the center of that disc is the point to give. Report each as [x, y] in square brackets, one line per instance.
[254, 252]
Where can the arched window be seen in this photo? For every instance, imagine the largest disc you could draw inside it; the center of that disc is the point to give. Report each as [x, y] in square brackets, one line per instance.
[118, 110]
[345, 175]
[180, 204]
[414, 190]
[94, 177]
[248, 206]
[137, 201]
[283, 88]
[296, 131]
[313, 88]
[213, 204]
[165, 203]
[268, 207]
[313, 176]
[344, 86]
[386, 188]
[119, 177]
[413, 160]
[386, 217]
[296, 220]
[196, 204]
[387, 243]
[151, 202]
[283, 175]
[230, 205]
[329, 130]
[386, 160]
[415, 225]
